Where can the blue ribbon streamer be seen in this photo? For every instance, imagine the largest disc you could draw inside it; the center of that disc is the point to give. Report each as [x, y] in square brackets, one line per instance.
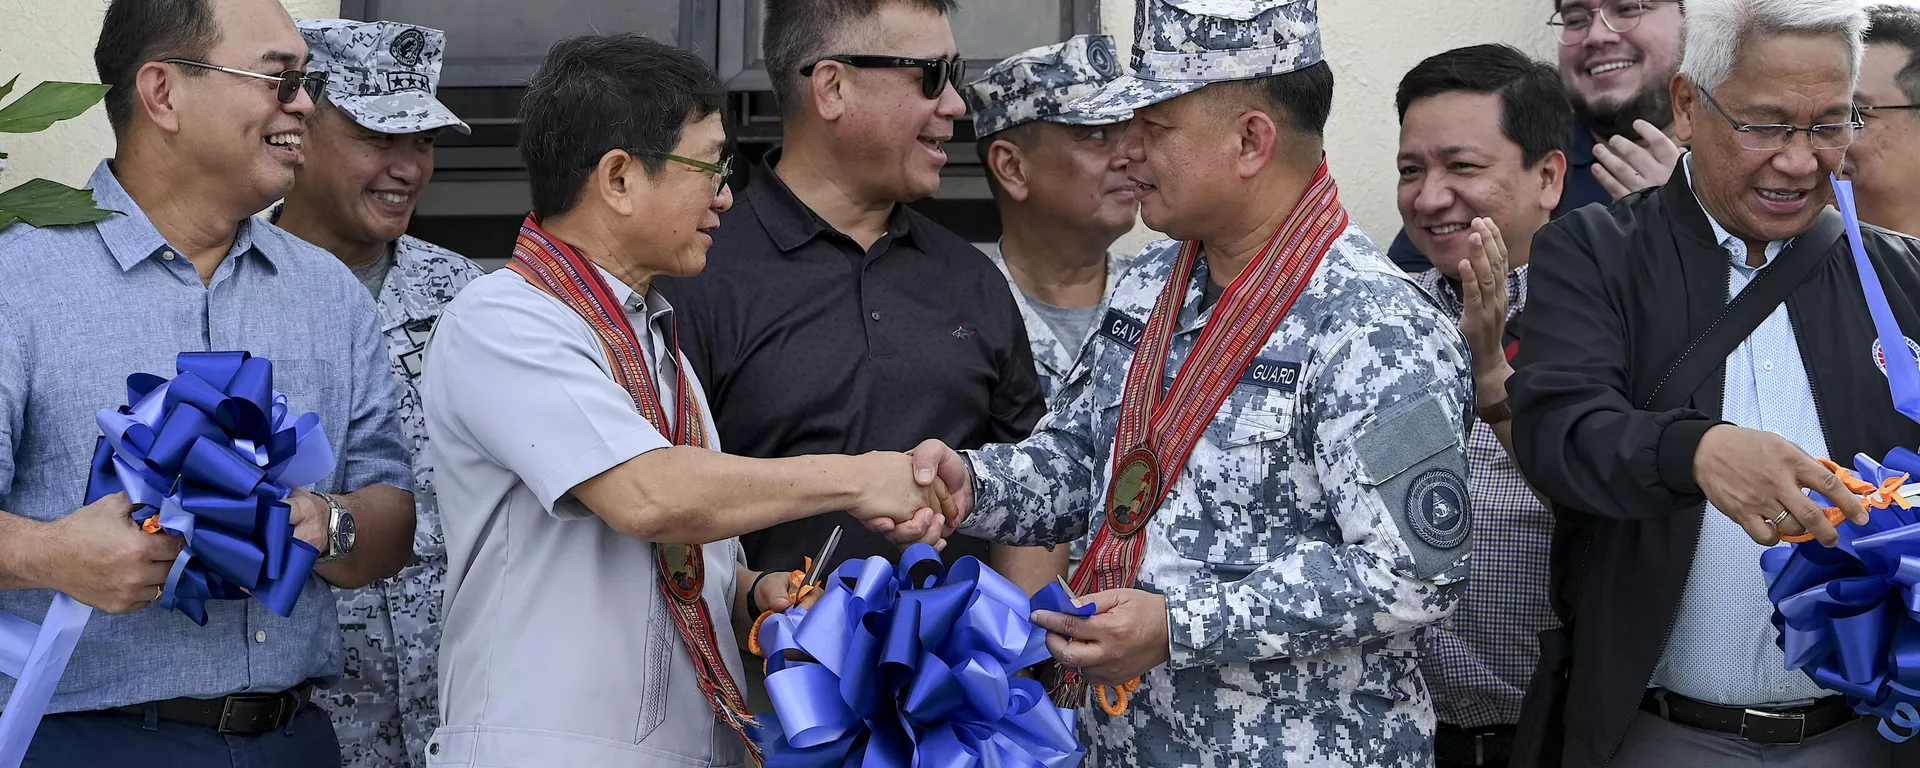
[213, 454]
[912, 665]
[1903, 372]
[1849, 616]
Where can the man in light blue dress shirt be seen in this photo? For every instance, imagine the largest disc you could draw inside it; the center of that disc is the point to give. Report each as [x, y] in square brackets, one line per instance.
[208, 106]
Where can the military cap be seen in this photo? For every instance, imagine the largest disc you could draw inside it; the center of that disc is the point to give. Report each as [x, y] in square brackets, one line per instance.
[1182, 45]
[1043, 83]
[382, 73]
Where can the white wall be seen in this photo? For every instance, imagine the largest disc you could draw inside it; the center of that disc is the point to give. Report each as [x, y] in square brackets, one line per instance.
[1371, 44]
[53, 40]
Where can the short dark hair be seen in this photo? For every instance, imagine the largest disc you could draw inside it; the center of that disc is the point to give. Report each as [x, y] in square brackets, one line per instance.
[795, 33]
[1899, 25]
[1025, 136]
[1300, 99]
[596, 93]
[138, 31]
[1534, 110]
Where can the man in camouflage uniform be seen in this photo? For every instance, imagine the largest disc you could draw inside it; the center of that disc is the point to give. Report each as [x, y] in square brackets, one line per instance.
[1319, 521]
[369, 155]
[1060, 181]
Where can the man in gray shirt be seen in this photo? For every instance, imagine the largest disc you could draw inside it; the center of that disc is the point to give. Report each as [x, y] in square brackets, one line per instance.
[1061, 183]
[591, 521]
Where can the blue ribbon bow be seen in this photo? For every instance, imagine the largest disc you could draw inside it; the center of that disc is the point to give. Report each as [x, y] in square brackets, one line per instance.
[1849, 616]
[912, 665]
[213, 454]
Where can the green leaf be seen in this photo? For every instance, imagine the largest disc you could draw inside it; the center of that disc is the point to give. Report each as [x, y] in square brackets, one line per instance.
[8, 88]
[49, 103]
[45, 203]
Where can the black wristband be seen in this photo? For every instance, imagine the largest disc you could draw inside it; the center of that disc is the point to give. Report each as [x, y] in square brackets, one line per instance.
[753, 593]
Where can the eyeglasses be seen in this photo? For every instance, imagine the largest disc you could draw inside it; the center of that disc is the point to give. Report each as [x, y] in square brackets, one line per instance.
[724, 169]
[1767, 137]
[1866, 112]
[935, 74]
[1619, 15]
[290, 81]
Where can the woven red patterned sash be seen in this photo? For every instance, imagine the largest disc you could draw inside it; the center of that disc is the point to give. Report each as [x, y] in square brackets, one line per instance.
[560, 270]
[1156, 433]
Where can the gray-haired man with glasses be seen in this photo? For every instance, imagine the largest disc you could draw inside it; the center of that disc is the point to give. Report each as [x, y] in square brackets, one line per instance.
[1663, 481]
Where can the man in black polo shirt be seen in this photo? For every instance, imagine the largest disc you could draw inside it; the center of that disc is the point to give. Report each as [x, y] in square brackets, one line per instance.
[831, 318]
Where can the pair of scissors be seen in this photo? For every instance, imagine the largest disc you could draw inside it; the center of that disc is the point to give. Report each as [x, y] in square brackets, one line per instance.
[801, 584]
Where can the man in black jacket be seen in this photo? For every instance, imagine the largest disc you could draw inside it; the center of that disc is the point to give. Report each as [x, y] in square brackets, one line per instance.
[1668, 657]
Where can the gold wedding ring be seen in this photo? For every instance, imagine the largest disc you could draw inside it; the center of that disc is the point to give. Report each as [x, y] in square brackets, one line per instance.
[1784, 514]
[158, 593]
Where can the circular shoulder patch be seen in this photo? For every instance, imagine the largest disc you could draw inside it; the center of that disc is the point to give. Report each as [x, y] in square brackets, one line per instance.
[1436, 508]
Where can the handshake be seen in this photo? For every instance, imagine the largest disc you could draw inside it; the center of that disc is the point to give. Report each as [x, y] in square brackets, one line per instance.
[918, 497]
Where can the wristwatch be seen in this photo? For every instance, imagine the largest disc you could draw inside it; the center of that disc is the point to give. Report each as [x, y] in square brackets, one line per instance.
[340, 530]
[1496, 413]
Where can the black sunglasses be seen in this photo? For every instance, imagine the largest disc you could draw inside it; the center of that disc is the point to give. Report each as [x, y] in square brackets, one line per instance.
[935, 74]
[290, 81]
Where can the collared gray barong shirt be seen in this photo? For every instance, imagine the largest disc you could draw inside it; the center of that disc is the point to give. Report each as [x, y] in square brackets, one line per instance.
[558, 647]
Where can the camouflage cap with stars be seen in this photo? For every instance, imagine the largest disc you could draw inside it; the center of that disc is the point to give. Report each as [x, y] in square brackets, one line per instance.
[382, 73]
[1043, 83]
[1182, 45]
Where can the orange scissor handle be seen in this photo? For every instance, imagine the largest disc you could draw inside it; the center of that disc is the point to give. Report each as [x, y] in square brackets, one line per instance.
[1887, 494]
[1124, 691]
[798, 590]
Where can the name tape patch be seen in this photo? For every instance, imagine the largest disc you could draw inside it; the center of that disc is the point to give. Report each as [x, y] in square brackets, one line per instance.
[1273, 374]
[1122, 329]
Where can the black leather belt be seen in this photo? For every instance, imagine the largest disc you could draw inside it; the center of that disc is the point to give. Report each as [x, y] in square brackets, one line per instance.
[1761, 725]
[241, 714]
[1473, 746]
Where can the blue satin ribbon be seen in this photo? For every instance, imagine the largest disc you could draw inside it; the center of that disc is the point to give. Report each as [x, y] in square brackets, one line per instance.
[1903, 373]
[1849, 616]
[912, 665]
[213, 454]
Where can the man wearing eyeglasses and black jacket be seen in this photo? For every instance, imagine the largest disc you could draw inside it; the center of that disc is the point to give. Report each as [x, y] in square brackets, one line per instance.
[831, 317]
[1670, 449]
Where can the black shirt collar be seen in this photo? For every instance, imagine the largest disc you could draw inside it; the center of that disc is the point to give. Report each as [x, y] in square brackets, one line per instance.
[1580, 149]
[789, 221]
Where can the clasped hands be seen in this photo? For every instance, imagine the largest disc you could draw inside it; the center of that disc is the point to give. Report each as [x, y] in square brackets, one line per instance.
[1126, 636]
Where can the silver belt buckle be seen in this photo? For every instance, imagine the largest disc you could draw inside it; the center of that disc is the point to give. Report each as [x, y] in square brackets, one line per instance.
[1746, 716]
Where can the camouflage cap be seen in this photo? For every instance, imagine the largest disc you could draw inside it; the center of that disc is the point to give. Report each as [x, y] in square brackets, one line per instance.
[382, 73]
[1182, 45]
[1043, 83]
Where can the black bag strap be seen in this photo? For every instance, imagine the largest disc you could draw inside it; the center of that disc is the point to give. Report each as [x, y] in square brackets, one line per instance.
[1744, 313]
